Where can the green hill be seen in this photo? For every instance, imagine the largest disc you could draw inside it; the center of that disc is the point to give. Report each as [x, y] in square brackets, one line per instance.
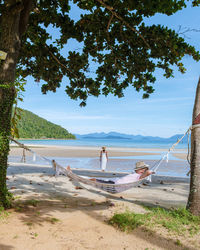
[35, 127]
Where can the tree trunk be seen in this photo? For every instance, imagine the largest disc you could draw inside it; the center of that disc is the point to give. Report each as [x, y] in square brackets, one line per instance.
[6, 101]
[194, 196]
[13, 23]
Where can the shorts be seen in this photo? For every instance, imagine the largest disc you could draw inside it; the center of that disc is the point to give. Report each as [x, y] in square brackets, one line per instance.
[103, 181]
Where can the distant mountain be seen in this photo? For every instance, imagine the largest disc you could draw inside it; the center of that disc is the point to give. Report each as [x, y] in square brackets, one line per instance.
[136, 138]
[105, 137]
[35, 127]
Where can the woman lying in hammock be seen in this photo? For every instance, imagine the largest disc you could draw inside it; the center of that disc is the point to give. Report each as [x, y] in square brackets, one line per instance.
[141, 171]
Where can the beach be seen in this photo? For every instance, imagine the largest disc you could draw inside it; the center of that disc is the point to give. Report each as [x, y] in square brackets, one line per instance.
[56, 213]
[81, 151]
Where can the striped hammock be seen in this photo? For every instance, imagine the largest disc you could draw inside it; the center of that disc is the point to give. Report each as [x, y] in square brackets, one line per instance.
[110, 188]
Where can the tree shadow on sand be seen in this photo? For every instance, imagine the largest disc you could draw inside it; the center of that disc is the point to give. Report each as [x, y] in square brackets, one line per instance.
[40, 203]
[145, 198]
[6, 247]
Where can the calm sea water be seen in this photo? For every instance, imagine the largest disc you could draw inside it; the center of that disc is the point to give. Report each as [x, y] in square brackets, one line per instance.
[175, 167]
[105, 142]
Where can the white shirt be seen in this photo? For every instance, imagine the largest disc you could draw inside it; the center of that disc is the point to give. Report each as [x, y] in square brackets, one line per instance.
[127, 178]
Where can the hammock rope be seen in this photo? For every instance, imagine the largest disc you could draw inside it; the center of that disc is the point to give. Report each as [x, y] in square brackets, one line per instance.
[110, 188]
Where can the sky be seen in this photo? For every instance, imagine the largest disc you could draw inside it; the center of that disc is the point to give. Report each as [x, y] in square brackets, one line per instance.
[166, 112]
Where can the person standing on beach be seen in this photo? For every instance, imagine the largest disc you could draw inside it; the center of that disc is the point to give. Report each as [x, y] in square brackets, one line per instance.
[103, 158]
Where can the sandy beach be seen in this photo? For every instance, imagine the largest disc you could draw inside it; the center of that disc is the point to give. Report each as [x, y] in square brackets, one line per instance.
[56, 213]
[80, 151]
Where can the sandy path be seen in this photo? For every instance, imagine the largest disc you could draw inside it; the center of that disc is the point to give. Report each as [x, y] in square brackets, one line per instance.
[70, 218]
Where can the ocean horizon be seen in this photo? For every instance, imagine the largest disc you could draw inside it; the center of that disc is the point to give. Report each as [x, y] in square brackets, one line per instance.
[94, 142]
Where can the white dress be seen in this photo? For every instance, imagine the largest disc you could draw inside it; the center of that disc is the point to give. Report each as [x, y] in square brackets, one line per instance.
[103, 161]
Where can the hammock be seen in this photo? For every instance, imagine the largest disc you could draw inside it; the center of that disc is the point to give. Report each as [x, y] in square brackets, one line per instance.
[110, 188]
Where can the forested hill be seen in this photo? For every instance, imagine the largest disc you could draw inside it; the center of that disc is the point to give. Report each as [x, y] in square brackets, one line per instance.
[35, 127]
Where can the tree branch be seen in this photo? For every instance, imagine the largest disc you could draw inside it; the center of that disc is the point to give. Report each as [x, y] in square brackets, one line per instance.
[123, 21]
[24, 15]
[110, 22]
[58, 61]
[183, 30]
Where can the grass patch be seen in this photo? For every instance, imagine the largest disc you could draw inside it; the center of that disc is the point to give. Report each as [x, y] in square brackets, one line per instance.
[21, 206]
[3, 213]
[29, 224]
[53, 220]
[93, 203]
[35, 235]
[18, 209]
[32, 202]
[177, 221]
[17, 197]
[38, 213]
[178, 242]
[127, 221]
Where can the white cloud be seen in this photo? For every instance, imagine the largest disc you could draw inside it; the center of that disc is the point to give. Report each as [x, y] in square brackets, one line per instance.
[87, 117]
[65, 116]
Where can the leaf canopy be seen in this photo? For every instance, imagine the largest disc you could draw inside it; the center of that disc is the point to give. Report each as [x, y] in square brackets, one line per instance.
[117, 48]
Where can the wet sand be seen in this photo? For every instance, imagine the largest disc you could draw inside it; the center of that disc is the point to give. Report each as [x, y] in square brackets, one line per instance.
[88, 158]
[76, 151]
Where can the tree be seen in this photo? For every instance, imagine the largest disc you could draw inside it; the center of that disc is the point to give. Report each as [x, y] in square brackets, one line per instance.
[114, 40]
[194, 196]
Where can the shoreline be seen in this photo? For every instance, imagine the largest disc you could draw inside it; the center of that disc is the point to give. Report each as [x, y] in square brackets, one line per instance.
[79, 151]
[93, 152]
[119, 160]
[99, 147]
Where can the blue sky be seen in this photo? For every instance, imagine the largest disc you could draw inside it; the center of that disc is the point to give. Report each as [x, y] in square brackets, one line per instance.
[168, 111]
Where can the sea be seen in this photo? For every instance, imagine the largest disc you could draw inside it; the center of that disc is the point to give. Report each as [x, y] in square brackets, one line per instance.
[170, 167]
[125, 143]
